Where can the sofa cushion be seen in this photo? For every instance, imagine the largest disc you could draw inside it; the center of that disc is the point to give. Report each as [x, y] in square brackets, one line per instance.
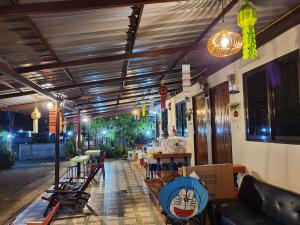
[276, 203]
[234, 212]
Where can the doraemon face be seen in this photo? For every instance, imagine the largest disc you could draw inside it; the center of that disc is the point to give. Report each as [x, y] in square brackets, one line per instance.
[184, 204]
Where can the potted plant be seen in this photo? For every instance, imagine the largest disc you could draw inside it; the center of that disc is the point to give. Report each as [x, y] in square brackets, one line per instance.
[234, 108]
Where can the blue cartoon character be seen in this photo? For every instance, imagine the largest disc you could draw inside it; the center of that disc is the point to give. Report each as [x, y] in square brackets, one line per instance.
[183, 198]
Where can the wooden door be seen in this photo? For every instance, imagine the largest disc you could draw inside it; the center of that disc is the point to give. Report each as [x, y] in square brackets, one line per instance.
[200, 136]
[220, 124]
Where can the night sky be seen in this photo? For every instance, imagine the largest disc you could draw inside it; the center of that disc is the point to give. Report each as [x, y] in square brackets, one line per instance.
[21, 121]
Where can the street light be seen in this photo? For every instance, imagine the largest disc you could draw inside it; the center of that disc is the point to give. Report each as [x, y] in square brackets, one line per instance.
[86, 119]
[50, 105]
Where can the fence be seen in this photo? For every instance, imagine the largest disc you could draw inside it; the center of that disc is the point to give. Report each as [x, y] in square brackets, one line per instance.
[39, 151]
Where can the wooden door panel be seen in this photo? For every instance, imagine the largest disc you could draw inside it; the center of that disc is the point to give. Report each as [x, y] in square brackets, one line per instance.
[200, 136]
[220, 121]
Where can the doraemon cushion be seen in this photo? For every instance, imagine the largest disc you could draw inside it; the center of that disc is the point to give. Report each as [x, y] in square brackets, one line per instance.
[183, 198]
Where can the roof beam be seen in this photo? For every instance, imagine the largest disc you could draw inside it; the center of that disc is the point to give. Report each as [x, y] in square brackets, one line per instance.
[194, 45]
[134, 20]
[95, 83]
[110, 58]
[22, 106]
[48, 46]
[71, 5]
[128, 104]
[5, 68]
[111, 100]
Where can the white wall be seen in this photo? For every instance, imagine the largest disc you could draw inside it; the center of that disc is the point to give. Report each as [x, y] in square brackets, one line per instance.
[278, 164]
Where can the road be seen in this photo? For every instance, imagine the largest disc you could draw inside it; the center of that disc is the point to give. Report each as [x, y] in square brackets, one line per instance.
[21, 184]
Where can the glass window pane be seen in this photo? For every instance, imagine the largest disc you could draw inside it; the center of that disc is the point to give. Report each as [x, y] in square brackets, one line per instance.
[184, 120]
[258, 123]
[164, 117]
[179, 119]
[285, 82]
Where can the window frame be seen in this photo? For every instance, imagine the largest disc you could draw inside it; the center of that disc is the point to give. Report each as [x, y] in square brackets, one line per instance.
[183, 119]
[164, 121]
[271, 138]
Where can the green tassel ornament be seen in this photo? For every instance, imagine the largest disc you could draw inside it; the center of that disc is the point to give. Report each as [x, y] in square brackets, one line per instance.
[246, 19]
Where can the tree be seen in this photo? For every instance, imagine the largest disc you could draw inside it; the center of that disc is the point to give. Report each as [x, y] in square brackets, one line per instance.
[122, 130]
[6, 159]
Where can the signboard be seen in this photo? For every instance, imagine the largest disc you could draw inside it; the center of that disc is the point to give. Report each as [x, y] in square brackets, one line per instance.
[186, 78]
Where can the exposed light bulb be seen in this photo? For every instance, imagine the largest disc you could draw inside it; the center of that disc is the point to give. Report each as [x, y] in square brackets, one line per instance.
[50, 105]
[225, 42]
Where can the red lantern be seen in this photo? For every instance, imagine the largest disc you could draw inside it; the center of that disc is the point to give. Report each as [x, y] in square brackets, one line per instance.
[163, 91]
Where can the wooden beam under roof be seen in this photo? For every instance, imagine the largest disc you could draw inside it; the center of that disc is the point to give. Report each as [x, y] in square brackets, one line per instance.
[5, 68]
[78, 62]
[129, 105]
[115, 99]
[22, 106]
[134, 20]
[95, 83]
[72, 5]
[194, 45]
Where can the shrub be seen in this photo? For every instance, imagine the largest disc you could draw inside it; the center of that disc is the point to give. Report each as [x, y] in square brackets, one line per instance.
[70, 148]
[6, 160]
[115, 151]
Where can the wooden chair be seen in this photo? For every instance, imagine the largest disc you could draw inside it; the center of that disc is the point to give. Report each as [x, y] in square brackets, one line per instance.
[72, 194]
[48, 218]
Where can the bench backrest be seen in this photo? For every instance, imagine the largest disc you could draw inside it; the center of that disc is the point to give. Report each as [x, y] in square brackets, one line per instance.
[281, 205]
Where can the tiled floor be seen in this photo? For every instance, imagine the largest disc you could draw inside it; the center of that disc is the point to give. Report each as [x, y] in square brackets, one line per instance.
[120, 199]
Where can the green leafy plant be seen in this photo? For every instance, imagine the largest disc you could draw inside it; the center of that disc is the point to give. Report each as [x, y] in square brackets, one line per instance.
[6, 159]
[117, 134]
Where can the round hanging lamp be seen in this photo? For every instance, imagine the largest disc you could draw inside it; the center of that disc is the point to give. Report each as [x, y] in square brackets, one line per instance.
[224, 43]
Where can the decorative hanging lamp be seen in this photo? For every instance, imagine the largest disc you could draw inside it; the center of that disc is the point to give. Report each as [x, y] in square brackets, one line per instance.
[246, 19]
[163, 91]
[224, 43]
[35, 115]
[134, 113]
[138, 114]
[143, 109]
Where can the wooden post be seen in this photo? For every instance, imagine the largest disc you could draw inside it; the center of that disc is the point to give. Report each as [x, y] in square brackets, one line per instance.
[78, 141]
[57, 145]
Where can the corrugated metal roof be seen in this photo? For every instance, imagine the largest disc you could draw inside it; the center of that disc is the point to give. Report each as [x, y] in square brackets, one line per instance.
[44, 39]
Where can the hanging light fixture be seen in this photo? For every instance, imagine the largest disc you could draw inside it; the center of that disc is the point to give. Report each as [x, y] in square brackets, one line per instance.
[224, 43]
[35, 115]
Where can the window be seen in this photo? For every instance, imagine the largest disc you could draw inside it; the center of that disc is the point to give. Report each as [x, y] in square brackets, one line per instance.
[272, 100]
[164, 121]
[181, 123]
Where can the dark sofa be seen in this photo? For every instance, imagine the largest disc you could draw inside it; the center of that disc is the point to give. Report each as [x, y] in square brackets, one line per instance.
[258, 203]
